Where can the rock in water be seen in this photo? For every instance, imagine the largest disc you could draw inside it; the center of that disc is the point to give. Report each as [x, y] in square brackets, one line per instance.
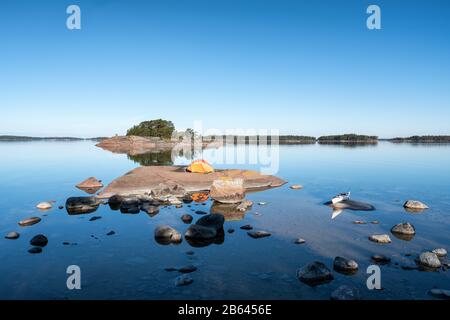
[44, 206]
[183, 280]
[187, 269]
[247, 227]
[230, 230]
[351, 205]
[440, 293]
[258, 234]
[167, 235]
[344, 265]
[440, 252]
[430, 260]
[130, 205]
[228, 190]
[345, 293]
[404, 228]
[244, 205]
[94, 218]
[314, 274]
[110, 233]
[299, 241]
[90, 183]
[296, 187]
[380, 238]
[197, 232]
[214, 221]
[39, 241]
[29, 221]
[187, 218]
[81, 205]
[12, 235]
[35, 250]
[150, 209]
[381, 259]
[414, 205]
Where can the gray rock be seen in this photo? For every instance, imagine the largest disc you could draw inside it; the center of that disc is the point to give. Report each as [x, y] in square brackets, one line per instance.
[345, 293]
[39, 241]
[440, 252]
[183, 280]
[81, 205]
[345, 266]
[314, 274]
[430, 260]
[12, 235]
[380, 259]
[440, 293]
[258, 234]
[35, 250]
[405, 228]
[29, 221]
[214, 221]
[247, 227]
[167, 235]
[415, 205]
[380, 238]
[197, 232]
[187, 218]
[299, 241]
[187, 269]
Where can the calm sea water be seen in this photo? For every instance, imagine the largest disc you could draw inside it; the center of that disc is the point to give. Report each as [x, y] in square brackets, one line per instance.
[130, 264]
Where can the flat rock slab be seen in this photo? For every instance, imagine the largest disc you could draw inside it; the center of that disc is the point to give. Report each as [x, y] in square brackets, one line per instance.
[143, 179]
[351, 205]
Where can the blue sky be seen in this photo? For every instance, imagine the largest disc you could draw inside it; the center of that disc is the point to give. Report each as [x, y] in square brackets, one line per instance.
[303, 67]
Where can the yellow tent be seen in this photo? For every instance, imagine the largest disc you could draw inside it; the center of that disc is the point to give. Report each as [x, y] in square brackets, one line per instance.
[200, 166]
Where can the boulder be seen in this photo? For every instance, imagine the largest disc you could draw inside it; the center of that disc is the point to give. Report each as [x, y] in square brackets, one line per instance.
[12, 235]
[214, 221]
[314, 274]
[430, 260]
[414, 205]
[228, 190]
[258, 234]
[380, 238]
[345, 293]
[39, 241]
[440, 252]
[167, 235]
[115, 201]
[404, 231]
[187, 218]
[130, 205]
[344, 265]
[91, 185]
[440, 293]
[198, 232]
[44, 206]
[29, 221]
[81, 205]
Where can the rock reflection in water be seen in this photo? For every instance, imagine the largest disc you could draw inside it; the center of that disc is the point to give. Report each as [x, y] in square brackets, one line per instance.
[230, 211]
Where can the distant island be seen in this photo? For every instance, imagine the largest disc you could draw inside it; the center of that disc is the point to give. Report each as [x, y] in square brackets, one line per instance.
[27, 138]
[348, 139]
[422, 139]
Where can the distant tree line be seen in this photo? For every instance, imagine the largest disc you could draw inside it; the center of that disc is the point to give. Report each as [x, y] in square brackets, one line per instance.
[422, 139]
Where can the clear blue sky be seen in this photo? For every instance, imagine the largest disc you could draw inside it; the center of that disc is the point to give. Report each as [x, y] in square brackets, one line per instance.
[304, 67]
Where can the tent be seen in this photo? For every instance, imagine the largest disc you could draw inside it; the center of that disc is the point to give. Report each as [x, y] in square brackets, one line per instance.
[200, 166]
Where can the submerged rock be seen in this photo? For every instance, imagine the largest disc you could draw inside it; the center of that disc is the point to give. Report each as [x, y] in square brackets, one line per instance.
[228, 190]
[94, 218]
[345, 293]
[414, 205]
[81, 205]
[29, 221]
[183, 280]
[35, 250]
[380, 238]
[247, 227]
[345, 266]
[314, 274]
[44, 206]
[187, 218]
[111, 233]
[12, 235]
[351, 205]
[230, 230]
[187, 269]
[39, 241]
[167, 235]
[440, 252]
[258, 234]
[430, 260]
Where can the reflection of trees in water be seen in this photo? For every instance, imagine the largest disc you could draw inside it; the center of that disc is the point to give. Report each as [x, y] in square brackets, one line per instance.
[163, 157]
[153, 158]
